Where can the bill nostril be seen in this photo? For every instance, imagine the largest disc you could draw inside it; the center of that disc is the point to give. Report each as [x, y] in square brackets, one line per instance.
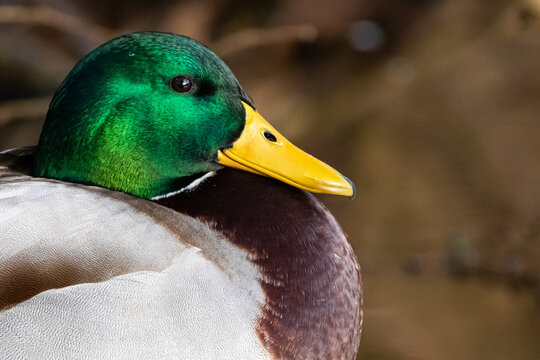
[269, 136]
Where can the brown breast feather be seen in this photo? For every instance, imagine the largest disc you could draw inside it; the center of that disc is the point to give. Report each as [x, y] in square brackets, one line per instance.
[310, 275]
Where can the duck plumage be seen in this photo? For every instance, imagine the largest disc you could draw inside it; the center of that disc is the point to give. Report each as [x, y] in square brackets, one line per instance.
[225, 264]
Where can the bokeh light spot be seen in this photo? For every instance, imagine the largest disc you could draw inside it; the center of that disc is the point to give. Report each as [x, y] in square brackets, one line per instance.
[366, 35]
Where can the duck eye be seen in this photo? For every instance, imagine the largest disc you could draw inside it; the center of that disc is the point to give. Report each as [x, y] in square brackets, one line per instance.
[181, 84]
[269, 136]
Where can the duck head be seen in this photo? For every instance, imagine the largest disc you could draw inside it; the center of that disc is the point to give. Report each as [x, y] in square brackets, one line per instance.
[146, 109]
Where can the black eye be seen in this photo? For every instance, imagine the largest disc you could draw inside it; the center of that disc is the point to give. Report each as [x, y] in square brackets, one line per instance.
[269, 136]
[181, 84]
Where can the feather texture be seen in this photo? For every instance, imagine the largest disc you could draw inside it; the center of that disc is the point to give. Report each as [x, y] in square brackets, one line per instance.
[88, 273]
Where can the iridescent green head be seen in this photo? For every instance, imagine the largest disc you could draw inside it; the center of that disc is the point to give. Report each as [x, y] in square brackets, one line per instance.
[139, 112]
[144, 111]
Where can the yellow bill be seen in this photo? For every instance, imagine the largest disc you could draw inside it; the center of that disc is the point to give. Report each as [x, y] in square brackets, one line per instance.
[262, 150]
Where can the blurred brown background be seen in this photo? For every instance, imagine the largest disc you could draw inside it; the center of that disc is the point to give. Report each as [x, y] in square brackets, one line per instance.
[431, 107]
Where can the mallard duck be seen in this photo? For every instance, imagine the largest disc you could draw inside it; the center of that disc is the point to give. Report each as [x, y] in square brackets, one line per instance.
[140, 226]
